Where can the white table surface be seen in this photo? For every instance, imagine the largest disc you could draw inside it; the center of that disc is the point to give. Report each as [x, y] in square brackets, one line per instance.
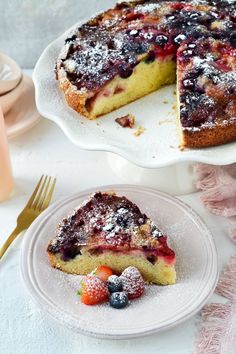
[23, 327]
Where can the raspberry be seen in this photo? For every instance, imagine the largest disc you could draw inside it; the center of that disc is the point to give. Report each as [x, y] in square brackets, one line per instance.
[132, 282]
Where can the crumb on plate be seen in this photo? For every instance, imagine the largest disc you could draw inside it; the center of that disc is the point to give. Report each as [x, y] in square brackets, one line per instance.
[139, 131]
[165, 121]
[126, 121]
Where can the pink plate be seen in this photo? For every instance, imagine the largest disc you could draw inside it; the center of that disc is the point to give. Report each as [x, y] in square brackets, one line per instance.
[162, 307]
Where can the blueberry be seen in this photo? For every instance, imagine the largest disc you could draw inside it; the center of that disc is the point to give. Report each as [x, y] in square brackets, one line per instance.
[125, 72]
[189, 83]
[194, 15]
[161, 40]
[114, 284]
[71, 39]
[119, 300]
[152, 259]
[141, 48]
[150, 57]
[197, 31]
[178, 39]
[232, 39]
[69, 252]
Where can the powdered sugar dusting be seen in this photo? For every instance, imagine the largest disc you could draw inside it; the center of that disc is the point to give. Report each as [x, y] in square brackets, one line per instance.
[147, 8]
[107, 221]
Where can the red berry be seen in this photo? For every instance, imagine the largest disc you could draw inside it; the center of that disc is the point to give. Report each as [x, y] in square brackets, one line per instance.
[94, 290]
[132, 282]
[102, 272]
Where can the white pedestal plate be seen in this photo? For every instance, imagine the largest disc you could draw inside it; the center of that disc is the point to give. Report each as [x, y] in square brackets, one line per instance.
[175, 179]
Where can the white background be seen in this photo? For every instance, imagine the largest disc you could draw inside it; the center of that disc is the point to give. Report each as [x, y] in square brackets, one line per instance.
[28, 26]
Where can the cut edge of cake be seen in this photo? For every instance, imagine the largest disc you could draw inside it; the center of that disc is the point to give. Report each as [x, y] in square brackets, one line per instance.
[147, 77]
[161, 273]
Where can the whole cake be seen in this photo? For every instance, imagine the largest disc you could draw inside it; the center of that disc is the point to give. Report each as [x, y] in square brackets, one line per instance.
[133, 49]
[111, 230]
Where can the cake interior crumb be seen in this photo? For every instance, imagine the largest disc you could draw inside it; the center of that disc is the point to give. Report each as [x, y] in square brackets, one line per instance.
[139, 131]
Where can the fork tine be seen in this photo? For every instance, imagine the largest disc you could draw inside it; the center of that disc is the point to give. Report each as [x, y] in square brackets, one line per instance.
[30, 201]
[44, 194]
[38, 196]
[49, 197]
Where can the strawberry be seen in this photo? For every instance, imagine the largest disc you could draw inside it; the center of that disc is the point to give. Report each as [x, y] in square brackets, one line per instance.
[93, 290]
[102, 272]
[132, 282]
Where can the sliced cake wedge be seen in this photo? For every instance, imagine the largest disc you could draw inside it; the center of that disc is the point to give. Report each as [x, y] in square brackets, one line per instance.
[111, 230]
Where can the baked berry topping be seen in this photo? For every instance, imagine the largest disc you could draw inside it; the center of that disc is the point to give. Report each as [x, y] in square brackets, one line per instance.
[108, 223]
[189, 83]
[232, 39]
[100, 49]
[150, 57]
[114, 284]
[125, 71]
[179, 38]
[70, 251]
[161, 40]
[152, 259]
[119, 300]
[207, 86]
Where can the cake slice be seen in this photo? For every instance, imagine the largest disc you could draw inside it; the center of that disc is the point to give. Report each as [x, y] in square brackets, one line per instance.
[207, 92]
[111, 230]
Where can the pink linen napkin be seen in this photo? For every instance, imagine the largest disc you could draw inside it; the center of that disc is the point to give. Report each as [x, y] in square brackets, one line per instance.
[218, 333]
[218, 184]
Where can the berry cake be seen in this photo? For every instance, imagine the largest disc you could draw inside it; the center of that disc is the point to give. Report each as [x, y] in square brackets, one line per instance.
[131, 50]
[111, 230]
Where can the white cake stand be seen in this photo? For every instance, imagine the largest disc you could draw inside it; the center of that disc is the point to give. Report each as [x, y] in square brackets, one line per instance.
[153, 158]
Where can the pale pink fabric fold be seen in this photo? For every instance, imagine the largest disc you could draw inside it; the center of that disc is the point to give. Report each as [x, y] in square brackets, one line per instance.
[218, 184]
[218, 333]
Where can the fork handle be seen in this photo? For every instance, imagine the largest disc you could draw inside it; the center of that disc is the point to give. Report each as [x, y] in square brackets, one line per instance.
[10, 239]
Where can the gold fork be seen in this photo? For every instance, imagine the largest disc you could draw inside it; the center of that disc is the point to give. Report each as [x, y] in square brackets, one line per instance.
[37, 203]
